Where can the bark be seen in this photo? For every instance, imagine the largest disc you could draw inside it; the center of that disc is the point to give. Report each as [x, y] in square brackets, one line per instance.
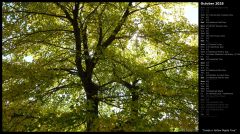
[134, 106]
[91, 90]
[134, 101]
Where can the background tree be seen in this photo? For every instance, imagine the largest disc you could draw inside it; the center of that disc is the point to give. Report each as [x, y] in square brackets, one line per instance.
[98, 67]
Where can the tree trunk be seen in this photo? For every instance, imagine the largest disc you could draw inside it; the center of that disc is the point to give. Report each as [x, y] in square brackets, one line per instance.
[134, 105]
[134, 108]
[92, 105]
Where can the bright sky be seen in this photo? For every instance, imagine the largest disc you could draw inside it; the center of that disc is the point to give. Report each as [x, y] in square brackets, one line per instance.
[28, 58]
[191, 13]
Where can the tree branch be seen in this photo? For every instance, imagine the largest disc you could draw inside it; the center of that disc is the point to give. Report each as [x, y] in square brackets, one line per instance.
[69, 70]
[143, 8]
[88, 61]
[105, 84]
[97, 78]
[91, 13]
[21, 115]
[32, 12]
[195, 62]
[119, 96]
[75, 10]
[117, 28]
[173, 67]
[111, 104]
[100, 47]
[36, 32]
[126, 84]
[100, 30]
[65, 11]
[165, 60]
[74, 22]
[55, 89]
[50, 44]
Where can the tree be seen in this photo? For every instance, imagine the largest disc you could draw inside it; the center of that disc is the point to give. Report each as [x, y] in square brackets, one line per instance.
[90, 57]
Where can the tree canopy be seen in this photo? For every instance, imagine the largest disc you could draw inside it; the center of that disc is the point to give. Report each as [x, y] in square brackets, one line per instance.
[98, 66]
